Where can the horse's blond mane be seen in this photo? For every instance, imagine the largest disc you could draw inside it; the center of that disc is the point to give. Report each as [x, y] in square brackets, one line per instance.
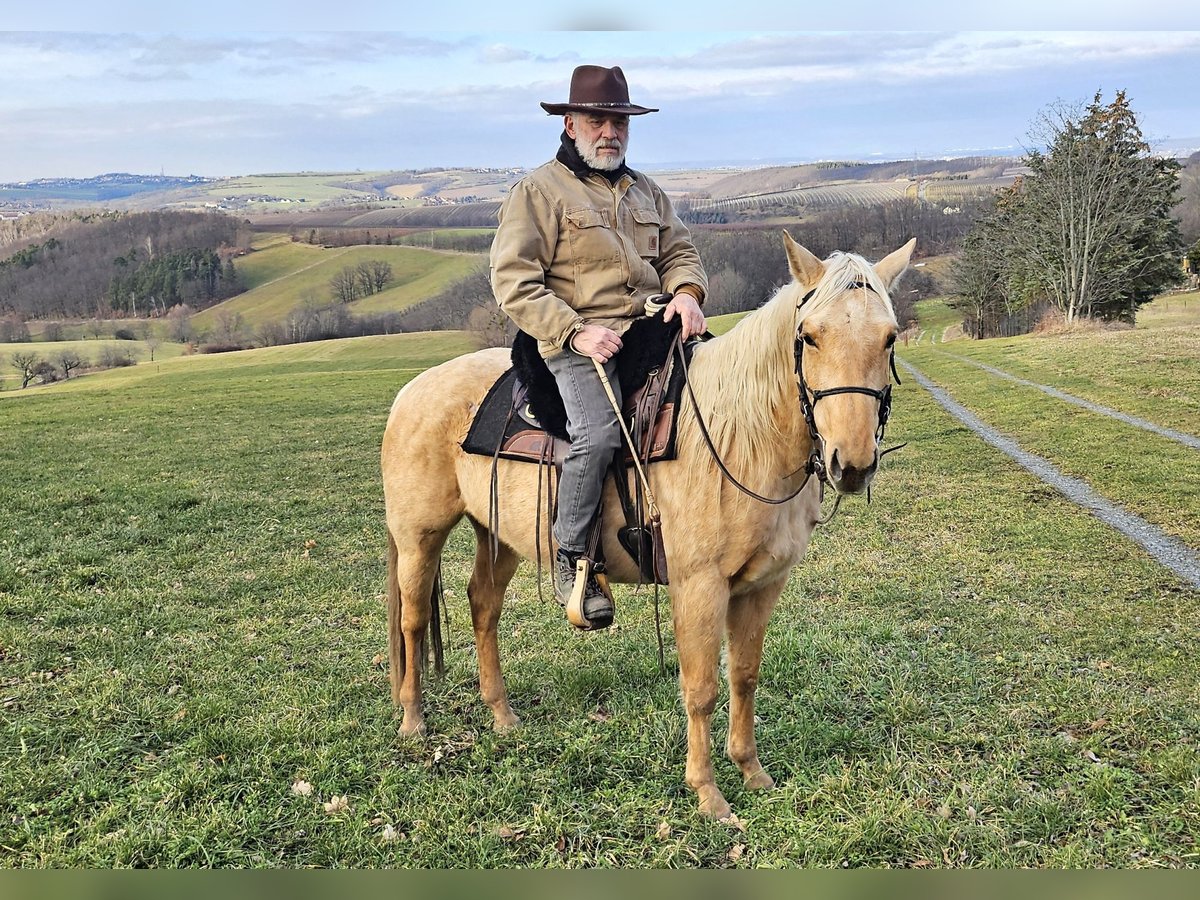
[745, 380]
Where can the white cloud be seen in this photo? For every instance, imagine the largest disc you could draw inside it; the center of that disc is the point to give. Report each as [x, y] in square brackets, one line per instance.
[503, 53]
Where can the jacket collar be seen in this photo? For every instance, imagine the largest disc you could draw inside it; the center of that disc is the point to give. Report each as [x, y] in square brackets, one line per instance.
[569, 156]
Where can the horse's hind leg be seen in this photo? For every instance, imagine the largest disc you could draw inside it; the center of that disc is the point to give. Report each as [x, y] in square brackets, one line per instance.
[489, 578]
[412, 567]
[747, 624]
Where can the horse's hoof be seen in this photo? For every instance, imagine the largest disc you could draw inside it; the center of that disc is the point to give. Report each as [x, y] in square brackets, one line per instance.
[505, 724]
[758, 781]
[412, 729]
[713, 805]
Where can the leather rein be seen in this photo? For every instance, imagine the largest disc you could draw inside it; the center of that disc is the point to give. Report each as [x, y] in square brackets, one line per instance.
[815, 465]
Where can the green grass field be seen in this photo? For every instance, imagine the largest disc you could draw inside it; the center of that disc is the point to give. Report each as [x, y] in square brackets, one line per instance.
[1170, 309]
[970, 672]
[285, 275]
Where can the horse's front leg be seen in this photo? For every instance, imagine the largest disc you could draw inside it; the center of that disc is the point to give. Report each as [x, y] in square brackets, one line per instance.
[747, 625]
[698, 605]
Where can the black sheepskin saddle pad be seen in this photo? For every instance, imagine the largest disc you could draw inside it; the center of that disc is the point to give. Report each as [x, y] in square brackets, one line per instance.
[526, 398]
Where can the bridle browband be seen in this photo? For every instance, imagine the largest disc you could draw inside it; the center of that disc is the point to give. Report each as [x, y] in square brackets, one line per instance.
[815, 465]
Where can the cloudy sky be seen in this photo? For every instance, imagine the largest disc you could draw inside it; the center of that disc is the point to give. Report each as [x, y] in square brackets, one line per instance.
[171, 96]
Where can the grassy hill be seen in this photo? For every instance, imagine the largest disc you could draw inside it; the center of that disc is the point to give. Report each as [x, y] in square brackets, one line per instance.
[284, 275]
[405, 352]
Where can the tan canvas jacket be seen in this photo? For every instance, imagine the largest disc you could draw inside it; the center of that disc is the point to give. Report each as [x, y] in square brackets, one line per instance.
[571, 250]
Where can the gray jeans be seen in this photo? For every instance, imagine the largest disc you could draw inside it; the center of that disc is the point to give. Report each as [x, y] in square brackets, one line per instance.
[595, 435]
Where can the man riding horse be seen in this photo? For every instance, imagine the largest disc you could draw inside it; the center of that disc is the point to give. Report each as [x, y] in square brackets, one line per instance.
[583, 243]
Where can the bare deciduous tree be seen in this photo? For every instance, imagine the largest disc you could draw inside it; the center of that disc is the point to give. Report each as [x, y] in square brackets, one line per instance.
[345, 285]
[69, 361]
[179, 323]
[45, 371]
[25, 361]
[493, 327]
[229, 326]
[381, 274]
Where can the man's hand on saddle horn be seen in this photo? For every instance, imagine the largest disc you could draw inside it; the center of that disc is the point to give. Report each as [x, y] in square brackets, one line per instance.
[596, 341]
[685, 306]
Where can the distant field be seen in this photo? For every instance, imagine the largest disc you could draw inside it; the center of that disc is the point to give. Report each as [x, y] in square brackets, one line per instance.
[276, 260]
[1170, 309]
[823, 197]
[317, 188]
[934, 316]
[78, 330]
[291, 274]
[776, 179]
[687, 181]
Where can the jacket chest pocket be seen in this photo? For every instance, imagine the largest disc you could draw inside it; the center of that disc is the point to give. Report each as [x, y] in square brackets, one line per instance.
[646, 226]
[591, 235]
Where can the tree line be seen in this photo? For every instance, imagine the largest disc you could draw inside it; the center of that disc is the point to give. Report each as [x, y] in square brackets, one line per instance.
[85, 266]
[354, 282]
[30, 364]
[474, 240]
[152, 285]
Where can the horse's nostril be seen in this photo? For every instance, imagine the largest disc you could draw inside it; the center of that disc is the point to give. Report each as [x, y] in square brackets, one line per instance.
[835, 466]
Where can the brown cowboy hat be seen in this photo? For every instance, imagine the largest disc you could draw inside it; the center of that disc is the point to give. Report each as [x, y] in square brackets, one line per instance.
[598, 90]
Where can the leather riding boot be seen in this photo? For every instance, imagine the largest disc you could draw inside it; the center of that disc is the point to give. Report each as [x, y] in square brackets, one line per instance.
[596, 609]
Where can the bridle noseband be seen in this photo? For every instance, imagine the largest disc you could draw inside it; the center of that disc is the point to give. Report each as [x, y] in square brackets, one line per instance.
[816, 459]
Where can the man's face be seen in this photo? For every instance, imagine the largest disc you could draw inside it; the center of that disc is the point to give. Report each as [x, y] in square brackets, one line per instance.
[600, 139]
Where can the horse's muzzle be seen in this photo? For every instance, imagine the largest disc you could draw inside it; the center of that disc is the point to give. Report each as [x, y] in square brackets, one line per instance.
[850, 479]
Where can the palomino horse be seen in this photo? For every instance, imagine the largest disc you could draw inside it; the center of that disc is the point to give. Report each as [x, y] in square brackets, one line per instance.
[729, 555]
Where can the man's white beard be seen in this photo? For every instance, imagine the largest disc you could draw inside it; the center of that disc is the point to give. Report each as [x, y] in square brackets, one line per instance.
[588, 151]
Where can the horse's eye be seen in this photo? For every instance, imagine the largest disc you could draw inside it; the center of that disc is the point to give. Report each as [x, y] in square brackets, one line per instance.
[890, 342]
[808, 339]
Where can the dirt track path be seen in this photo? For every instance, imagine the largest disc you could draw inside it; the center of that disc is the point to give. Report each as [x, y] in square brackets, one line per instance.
[1188, 440]
[1169, 552]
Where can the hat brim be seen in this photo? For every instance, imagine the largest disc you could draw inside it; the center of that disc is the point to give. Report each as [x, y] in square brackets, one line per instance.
[622, 109]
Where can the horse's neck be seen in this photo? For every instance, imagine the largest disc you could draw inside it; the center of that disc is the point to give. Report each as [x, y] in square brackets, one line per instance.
[746, 387]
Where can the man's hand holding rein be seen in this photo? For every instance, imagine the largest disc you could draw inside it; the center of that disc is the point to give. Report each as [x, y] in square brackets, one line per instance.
[685, 306]
[598, 342]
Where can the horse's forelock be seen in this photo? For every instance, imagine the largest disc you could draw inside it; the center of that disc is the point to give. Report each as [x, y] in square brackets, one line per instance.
[841, 271]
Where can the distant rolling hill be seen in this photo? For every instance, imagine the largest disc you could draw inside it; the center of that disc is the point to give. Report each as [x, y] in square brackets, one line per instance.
[101, 188]
[411, 353]
[284, 275]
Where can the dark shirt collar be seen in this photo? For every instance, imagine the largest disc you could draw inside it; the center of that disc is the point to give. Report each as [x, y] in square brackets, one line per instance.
[569, 156]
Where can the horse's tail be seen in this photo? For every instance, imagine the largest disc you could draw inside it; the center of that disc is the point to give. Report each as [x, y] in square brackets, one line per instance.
[397, 649]
[395, 607]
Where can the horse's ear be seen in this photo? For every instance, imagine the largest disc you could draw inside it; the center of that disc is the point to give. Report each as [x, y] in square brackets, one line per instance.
[806, 268]
[892, 266]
